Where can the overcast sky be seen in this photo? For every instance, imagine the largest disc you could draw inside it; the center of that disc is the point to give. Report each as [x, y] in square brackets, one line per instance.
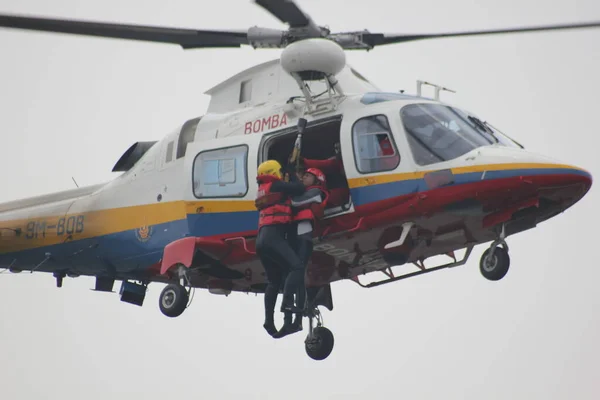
[70, 106]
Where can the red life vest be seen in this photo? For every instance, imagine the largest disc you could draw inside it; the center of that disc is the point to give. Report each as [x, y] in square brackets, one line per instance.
[274, 208]
[312, 211]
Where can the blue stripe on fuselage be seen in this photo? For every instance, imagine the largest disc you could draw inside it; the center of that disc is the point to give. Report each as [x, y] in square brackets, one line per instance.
[122, 250]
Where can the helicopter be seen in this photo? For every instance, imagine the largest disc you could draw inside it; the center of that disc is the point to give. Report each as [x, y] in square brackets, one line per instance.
[182, 210]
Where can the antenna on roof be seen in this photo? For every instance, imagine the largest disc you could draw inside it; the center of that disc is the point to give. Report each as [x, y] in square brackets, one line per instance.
[438, 88]
[75, 182]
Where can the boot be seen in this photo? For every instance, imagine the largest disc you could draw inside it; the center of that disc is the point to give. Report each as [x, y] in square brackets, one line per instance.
[288, 327]
[269, 326]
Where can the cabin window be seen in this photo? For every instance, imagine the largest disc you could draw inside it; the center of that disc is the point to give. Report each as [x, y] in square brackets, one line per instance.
[438, 133]
[221, 172]
[188, 132]
[374, 146]
[245, 91]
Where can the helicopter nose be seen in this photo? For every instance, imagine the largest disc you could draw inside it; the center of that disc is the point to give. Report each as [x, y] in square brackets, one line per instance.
[575, 176]
[562, 184]
[537, 164]
[558, 174]
[580, 174]
[557, 185]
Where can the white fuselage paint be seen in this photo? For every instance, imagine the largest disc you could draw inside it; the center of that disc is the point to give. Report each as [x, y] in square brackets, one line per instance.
[153, 176]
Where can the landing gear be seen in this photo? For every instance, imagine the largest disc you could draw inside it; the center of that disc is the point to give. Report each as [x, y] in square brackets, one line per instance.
[495, 261]
[173, 300]
[319, 342]
[494, 266]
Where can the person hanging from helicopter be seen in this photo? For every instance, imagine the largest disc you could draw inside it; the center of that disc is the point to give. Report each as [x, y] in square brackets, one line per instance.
[301, 238]
[273, 202]
[307, 208]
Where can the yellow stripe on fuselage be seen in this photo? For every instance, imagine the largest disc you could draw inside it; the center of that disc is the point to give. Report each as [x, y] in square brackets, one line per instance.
[43, 230]
[105, 222]
[218, 206]
[405, 176]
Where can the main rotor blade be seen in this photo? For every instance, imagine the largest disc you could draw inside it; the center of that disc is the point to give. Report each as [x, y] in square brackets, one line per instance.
[287, 11]
[186, 38]
[377, 39]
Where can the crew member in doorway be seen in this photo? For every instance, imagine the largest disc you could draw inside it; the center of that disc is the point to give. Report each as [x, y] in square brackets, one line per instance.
[307, 208]
[333, 167]
[332, 164]
[273, 201]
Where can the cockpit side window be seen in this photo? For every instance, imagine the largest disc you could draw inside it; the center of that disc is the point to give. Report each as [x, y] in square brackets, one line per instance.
[438, 133]
[374, 146]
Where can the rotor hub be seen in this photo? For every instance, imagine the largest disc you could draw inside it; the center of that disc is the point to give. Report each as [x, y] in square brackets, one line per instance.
[313, 59]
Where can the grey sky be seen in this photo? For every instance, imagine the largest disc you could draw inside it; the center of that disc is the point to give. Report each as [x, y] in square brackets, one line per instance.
[70, 106]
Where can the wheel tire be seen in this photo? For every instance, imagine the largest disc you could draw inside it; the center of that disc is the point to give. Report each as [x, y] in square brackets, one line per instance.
[496, 268]
[321, 344]
[173, 300]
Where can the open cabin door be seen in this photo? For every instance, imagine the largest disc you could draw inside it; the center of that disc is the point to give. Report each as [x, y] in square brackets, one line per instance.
[221, 188]
[320, 140]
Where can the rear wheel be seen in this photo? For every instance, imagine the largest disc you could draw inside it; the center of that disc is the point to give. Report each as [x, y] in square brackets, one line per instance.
[173, 300]
[320, 345]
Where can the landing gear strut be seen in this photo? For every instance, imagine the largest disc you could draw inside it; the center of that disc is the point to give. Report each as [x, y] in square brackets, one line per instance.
[495, 261]
[174, 298]
[59, 278]
[319, 342]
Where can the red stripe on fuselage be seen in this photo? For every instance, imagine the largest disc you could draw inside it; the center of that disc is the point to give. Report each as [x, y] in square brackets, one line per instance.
[492, 196]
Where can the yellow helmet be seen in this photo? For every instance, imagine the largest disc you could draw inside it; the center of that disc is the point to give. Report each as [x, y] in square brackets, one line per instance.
[270, 167]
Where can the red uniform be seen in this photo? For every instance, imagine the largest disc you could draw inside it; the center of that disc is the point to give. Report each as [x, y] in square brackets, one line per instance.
[331, 165]
[386, 146]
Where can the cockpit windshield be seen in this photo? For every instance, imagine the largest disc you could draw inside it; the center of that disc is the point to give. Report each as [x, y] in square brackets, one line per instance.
[438, 133]
[503, 138]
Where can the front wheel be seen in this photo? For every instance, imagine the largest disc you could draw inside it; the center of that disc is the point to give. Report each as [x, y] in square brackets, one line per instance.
[495, 267]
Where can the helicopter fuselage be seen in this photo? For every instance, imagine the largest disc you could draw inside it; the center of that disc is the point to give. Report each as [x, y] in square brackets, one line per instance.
[199, 203]
[409, 178]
